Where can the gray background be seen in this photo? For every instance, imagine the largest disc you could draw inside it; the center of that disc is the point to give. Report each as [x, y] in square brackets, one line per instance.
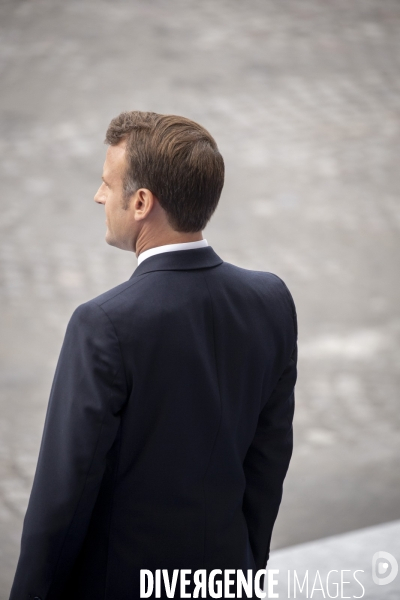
[303, 98]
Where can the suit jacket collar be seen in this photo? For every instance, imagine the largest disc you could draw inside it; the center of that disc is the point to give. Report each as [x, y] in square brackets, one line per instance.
[179, 260]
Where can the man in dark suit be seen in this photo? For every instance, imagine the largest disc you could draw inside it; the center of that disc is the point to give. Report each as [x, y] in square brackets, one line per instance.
[169, 426]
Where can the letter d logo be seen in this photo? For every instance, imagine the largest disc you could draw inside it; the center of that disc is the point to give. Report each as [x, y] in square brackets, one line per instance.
[379, 568]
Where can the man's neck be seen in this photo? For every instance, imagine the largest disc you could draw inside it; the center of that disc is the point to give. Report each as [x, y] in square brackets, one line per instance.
[165, 238]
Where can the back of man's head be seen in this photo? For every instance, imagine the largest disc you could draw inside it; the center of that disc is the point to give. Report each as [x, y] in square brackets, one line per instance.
[176, 159]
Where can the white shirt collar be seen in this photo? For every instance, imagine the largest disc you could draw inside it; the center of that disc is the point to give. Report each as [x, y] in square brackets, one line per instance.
[171, 248]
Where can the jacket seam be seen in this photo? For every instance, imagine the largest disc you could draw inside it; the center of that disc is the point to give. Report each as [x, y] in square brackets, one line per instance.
[220, 418]
[119, 346]
[117, 293]
[118, 459]
[292, 305]
[112, 512]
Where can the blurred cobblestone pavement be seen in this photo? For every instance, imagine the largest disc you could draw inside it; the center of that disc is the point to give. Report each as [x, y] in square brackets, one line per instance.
[303, 99]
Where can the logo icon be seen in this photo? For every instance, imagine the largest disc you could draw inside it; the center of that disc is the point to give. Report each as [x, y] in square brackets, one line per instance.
[381, 561]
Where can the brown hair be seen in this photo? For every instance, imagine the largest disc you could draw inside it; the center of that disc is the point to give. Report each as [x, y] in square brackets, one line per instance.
[176, 159]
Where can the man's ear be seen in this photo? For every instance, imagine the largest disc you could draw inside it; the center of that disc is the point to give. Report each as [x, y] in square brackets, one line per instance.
[142, 203]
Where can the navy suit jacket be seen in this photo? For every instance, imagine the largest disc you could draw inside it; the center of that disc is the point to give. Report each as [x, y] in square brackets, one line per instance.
[168, 431]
